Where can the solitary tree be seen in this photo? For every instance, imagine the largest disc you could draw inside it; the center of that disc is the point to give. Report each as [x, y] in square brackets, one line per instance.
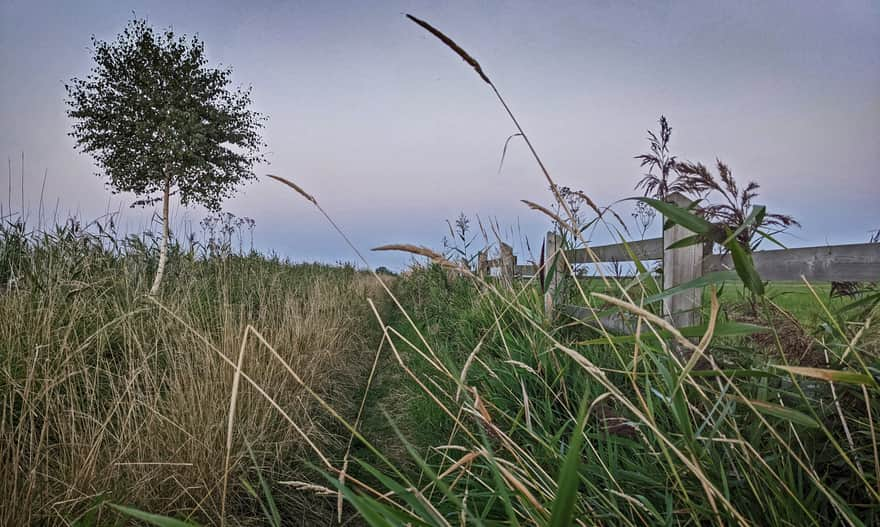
[159, 120]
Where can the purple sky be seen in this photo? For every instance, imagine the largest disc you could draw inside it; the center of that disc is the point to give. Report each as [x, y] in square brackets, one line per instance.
[393, 133]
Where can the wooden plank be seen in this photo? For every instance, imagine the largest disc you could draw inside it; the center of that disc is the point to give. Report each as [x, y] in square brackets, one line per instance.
[508, 263]
[616, 323]
[552, 245]
[526, 270]
[858, 262]
[681, 266]
[650, 249]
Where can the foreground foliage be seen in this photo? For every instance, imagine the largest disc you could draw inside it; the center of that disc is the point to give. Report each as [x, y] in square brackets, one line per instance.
[558, 421]
[566, 423]
[106, 396]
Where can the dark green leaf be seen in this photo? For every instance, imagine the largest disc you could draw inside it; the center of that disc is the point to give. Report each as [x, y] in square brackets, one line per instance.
[782, 412]
[687, 241]
[755, 216]
[713, 278]
[723, 329]
[745, 267]
[679, 216]
[153, 519]
[567, 485]
[848, 377]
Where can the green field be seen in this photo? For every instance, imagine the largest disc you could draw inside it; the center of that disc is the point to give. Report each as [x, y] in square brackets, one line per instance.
[802, 301]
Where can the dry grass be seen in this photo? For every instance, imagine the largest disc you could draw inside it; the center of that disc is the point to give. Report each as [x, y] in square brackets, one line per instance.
[108, 397]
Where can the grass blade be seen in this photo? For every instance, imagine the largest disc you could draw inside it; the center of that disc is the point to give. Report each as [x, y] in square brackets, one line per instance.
[567, 485]
[679, 216]
[848, 377]
[152, 519]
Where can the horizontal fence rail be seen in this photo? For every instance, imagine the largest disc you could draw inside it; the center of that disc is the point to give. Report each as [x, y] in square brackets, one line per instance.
[650, 249]
[829, 263]
[859, 262]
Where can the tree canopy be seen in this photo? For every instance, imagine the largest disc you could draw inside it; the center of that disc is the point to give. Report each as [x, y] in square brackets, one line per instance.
[156, 116]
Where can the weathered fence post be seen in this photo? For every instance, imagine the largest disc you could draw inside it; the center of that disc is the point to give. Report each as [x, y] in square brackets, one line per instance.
[851, 262]
[681, 266]
[551, 247]
[482, 264]
[508, 263]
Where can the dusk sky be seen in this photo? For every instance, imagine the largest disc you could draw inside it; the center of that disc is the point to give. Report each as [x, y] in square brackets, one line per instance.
[393, 133]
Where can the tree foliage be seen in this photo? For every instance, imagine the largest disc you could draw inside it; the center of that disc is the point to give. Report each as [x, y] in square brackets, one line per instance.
[155, 115]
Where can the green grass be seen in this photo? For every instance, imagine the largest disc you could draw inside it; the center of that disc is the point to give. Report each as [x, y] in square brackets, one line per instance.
[663, 445]
[481, 411]
[794, 297]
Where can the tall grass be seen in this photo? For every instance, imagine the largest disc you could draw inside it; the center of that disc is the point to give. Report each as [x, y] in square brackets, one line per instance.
[745, 438]
[512, 417]
[108, 397]
[484, 409]
[559, 421]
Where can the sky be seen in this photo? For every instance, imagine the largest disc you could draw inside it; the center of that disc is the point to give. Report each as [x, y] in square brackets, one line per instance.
[394, 134]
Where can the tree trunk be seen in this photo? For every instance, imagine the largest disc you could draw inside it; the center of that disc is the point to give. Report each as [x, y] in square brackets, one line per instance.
[163, 250]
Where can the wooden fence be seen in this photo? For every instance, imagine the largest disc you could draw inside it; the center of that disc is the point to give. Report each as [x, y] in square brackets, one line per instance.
[841, 263]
